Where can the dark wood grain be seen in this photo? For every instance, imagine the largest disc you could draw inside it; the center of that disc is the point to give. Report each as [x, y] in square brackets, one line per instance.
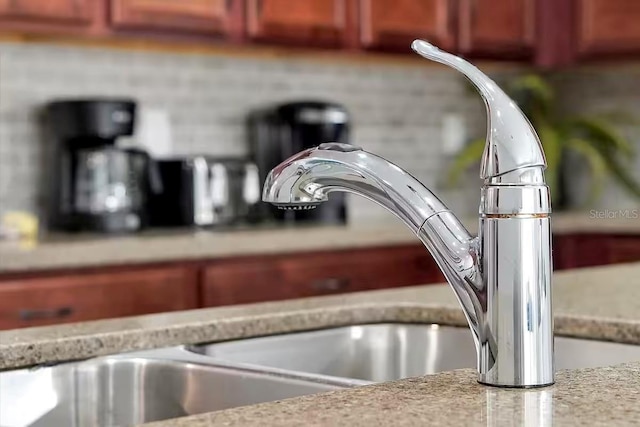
[40, 298]
[90, 296]
[555, 23]
[65, 17]
[608, 27]
[77, 12]
[497, 28]
[213, 17]
[624, 249]
[589, 250]
[324, 23]
[305, 275]
[394, 24]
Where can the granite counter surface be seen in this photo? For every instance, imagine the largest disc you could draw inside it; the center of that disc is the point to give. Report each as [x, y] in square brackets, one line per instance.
[585, 397]
[600, 303]
[69, 251]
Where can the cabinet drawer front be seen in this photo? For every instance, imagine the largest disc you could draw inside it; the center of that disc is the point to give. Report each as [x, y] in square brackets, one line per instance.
[608, 26]
[394, 24]
[499, 27]
[43, 301]
[202, 16]
[298, 276]
[299, 22]
[70, 11]
[624, 249]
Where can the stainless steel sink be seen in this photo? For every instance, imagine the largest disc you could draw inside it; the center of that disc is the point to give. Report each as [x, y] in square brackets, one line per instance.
[133, 389]
[160, 384]
[383, 352]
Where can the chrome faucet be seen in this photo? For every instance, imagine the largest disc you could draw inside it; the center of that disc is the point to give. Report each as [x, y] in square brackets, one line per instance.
[502, 277]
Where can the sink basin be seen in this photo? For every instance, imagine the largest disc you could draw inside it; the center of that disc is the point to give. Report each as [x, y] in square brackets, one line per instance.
[160, 384]
[129, 390]
[384, 352]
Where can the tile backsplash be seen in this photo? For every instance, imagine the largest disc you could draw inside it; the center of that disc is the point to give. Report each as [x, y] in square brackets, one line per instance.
[397, 109]
[607, 91]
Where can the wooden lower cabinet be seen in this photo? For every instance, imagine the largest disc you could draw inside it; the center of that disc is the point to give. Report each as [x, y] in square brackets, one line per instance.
[34, 300]
[624, 249]
[80, 297]
[589, 250]
[323, 273]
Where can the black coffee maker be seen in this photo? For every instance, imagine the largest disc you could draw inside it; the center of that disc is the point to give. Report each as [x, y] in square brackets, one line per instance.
[97, 186]
[276, 133]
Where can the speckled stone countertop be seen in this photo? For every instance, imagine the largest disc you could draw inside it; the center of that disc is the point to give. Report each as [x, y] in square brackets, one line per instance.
[600, 303]
[585, 397]
[69, 251]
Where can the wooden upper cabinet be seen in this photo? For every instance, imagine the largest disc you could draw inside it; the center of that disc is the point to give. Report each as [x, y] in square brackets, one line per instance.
[70, 12]
[608, 27]
[394, 24]
[497, 27]
[212, 17]
[326, 23]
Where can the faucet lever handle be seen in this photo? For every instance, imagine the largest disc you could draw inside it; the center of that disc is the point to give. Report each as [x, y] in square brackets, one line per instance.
[512, 142]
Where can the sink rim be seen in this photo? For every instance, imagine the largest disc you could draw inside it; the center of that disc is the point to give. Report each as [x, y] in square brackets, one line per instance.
[165, 360]
[352, 382]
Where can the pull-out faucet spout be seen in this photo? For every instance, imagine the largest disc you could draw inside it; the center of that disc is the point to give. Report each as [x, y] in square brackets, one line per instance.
[502, 278]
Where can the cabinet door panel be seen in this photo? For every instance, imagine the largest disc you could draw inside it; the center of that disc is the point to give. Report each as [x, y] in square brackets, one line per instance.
[299, 22]
[394, 24]
[498, 27]
[70, 11]
[608, 26]
[202, 16]
[298, 276]
[624, 249]
[81, 297]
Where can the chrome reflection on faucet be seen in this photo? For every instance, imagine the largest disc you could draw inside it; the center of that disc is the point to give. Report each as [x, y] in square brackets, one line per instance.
[502, 278]
[528, 408]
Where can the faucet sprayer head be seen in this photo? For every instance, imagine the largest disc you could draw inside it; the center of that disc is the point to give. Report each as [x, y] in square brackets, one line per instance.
[291, 185]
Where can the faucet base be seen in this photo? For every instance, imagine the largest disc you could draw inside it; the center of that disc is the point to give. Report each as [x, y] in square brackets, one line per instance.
[515, 337]
[517, 387]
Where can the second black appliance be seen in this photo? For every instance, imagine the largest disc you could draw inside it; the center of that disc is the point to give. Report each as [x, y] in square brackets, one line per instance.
[98, 186]
[205, 191]
[278, 132]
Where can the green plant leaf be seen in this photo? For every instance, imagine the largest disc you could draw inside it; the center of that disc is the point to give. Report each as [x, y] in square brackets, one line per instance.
[622, 117]
[594, 138]
[468, 156]
[596, 163]
[552, 145]
[601, 133]
[621, 173]
[532, 93]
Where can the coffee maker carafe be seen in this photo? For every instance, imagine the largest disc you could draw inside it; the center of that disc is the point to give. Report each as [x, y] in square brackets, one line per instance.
[98, 186]
[276, 133]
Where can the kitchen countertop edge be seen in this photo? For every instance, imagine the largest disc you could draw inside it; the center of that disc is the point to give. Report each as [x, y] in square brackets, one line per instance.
[68, 251]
